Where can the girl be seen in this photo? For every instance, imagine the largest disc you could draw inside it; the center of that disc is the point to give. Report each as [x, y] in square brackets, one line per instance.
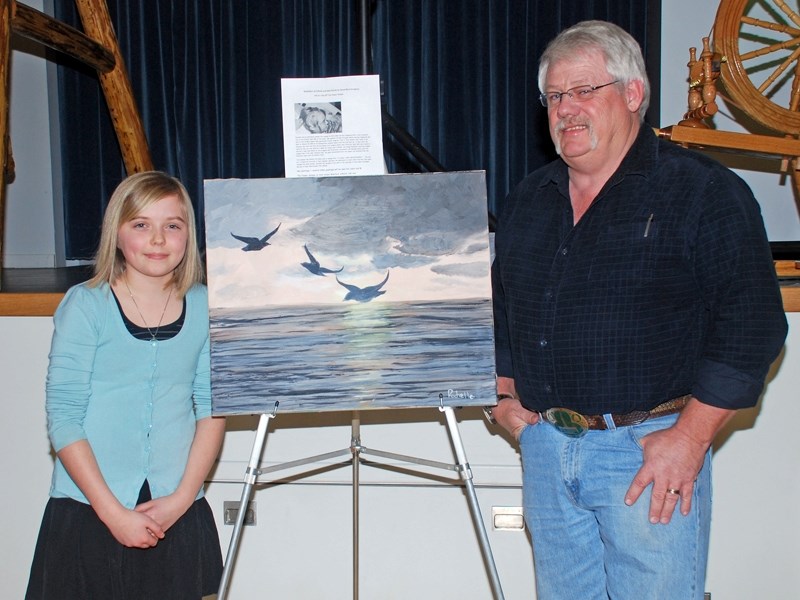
[129, 413]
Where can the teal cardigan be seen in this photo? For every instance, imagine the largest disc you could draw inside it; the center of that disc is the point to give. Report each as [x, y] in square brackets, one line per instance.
[135, 401]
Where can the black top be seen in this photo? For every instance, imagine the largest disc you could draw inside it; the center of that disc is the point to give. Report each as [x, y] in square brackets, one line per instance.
[164, 332]
[664, 287]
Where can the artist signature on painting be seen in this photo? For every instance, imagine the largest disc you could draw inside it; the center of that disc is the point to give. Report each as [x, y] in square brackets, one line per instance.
[451, 393]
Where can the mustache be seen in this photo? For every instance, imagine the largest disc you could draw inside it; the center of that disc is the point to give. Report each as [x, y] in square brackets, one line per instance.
[567, 123]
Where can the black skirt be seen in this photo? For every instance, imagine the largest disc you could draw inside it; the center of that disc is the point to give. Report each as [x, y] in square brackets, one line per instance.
[76, 557]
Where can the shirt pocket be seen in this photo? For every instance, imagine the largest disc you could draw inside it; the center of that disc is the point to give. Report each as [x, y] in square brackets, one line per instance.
[625, 254]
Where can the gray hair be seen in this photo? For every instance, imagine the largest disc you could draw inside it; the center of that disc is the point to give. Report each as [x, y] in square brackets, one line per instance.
[623, 56]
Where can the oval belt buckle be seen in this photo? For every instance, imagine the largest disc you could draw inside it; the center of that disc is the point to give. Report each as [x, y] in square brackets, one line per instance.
[568, 422]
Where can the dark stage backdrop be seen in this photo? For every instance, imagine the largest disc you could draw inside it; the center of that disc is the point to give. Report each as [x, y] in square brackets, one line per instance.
[458, 75]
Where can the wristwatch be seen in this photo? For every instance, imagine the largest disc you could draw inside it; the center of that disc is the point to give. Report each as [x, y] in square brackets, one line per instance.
[487, 410]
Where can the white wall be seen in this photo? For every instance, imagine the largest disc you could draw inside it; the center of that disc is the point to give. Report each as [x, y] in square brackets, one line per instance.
[27, 462]
[416, 536]
[29, 233]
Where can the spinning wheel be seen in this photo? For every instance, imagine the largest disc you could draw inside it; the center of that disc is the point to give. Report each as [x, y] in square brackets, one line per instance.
[756, 57]
[759, 45]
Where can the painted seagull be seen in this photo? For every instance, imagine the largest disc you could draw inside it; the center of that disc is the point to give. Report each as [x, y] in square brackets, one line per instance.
[363, 294]
[314, 265]
[253, 243]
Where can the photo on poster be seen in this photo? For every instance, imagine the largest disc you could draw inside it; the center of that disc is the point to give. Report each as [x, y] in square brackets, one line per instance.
[349, 293]
[318, 117]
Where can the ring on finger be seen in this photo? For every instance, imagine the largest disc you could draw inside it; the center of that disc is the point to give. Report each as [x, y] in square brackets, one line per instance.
[673, 491]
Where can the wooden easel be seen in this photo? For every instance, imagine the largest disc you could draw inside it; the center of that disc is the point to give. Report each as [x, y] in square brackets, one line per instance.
[96, 48]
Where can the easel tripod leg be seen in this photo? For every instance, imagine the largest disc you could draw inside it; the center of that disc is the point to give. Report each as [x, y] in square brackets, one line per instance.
[355, 448]
[249, 480]
[466, 475]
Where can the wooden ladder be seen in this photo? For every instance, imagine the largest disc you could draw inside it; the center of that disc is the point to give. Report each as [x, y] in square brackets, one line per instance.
[96, 47]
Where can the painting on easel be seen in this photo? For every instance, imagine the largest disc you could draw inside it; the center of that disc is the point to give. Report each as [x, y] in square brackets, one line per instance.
[349, 293]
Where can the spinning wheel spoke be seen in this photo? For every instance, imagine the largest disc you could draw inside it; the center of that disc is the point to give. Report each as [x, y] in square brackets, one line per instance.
[780, 27]
[778, 72]
[795, 101]
[770, 49]
[795, 18]
[764, 34]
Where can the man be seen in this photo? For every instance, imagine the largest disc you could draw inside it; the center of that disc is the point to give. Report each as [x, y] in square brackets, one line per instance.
[636, 309]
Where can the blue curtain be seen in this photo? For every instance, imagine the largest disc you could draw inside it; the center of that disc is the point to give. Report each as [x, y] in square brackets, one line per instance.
[458, 75]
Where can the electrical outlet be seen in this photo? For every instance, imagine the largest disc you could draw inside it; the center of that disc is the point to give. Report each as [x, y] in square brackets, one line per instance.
[507, 518]
[230, 511]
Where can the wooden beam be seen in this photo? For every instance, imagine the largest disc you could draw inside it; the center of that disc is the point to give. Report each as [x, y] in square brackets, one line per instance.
[33, 24]
[97, 48]
[29, 305]
[748, 142]
[791, 298]
[41, 304]
[787, 268]
[117, 89]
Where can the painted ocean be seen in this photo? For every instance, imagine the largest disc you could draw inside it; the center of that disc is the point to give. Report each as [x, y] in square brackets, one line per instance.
[352, 356]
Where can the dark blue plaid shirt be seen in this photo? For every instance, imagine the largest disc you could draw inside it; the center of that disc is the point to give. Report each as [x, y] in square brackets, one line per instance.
[665, 287]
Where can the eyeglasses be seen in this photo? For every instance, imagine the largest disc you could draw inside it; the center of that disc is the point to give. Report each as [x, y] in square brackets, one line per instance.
[581, 93]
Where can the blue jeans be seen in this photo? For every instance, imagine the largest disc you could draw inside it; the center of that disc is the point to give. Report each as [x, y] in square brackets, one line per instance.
[587, 544]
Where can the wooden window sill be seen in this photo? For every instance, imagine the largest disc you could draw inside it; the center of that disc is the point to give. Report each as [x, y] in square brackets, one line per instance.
[37, 292]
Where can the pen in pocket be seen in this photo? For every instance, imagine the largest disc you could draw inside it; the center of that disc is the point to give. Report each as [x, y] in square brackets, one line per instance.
[647, 227]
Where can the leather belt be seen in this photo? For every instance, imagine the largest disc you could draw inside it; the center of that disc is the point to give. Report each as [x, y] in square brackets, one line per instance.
[574, 424]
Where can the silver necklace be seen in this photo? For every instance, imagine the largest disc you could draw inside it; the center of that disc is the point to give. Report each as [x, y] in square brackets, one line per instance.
[153, 336]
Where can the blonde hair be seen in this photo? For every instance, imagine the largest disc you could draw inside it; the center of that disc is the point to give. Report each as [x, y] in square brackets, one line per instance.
[131, 197]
